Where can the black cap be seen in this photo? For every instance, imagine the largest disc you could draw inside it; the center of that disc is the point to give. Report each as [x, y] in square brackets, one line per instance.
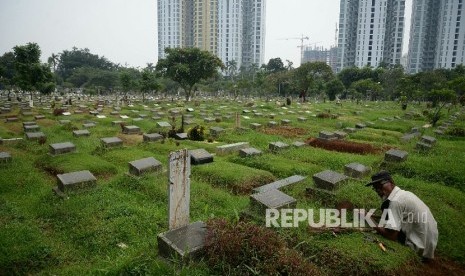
[378, 177]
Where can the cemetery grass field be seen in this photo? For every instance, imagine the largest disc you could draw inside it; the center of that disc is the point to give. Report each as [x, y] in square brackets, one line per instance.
[112, 228]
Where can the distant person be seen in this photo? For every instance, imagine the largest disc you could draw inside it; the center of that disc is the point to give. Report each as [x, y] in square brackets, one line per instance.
[409, 220]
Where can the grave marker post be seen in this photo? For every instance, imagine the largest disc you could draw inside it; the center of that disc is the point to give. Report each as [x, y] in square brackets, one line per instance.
[179, 188]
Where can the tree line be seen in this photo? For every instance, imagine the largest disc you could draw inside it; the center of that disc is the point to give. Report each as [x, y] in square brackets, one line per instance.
[192, 70]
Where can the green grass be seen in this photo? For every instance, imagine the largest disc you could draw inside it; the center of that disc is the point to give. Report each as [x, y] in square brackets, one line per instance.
[112, 228]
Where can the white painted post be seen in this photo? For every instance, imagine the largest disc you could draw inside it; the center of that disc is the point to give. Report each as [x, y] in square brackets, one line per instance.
[179, 188]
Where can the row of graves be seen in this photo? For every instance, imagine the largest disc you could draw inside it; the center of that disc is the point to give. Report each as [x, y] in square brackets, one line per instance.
[185, 239]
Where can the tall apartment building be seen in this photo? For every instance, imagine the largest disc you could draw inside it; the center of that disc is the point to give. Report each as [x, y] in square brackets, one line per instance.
[370, 32]
[230, 29]
[437, 35]
[320, 54]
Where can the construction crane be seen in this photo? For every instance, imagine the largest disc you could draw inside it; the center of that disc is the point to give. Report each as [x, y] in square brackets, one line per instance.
[301, 38]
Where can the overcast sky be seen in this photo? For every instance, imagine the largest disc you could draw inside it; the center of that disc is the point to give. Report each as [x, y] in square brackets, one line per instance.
[125, 31]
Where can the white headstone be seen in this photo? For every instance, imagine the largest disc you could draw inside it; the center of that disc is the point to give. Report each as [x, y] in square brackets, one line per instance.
[179, 188]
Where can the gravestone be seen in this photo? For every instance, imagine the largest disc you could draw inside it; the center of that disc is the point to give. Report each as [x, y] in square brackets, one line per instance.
[39, 117]
[326, 135]
[271, 199]
[82, 132]
[110, 142]
[64, 122]
[11, 119]
[88, 125]
[249, 152]
[29, 123]
[428, 140]
[280, 184]
[356, 170]
[182, 240]
[301, 119]
[329, 180]
[350, 130]
[31, 128]
[298, 144]
[272, 124]
[61, 148]
[131, 130]
[181, 136]
[152, 137]
[200, 156]
[74, 181]
[422, 146]
[277, 146]
[164, 124]
[5, 157]
[225, 149]
[216, 131]
[209, 120]
[340, 134]
[285, 122]
[407, 137]
[255, 126]
[395, 155]
[35, 135]
[360, 125]
[145, 165]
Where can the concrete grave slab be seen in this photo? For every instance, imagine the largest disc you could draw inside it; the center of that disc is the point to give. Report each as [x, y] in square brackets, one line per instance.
[216, 131]
[61, 148]
[277, 146]
[76, 180]
[329, 180]
[428, 140]
[181, 136]
[279, 184]
[110, 142]
[31, 128]
[356, 170]
[183, 243]
[131, 130]
[395, 155]
[145, 165]
[272, 124]
[5, 157]
[35, 135]
[80, 133]
[422, 146]
[246, 152]
[225, 149]
[298, 144]
[285, 122]
[164, 124]
[200, 156]
[152, 137]
[271, 199]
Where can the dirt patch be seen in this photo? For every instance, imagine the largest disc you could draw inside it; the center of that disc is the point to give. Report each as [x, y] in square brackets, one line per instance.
[285, 131]
[345, 146]
[440, 266]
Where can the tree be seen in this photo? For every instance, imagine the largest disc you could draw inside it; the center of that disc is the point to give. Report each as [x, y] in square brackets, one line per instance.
[7, 71]
[188, 66]
[440, 97]
[148, 82]
[367, 88]
[333, 88]
[390, 80]
[312, 74]
[275, 65]
[31, 75]
[53, 61]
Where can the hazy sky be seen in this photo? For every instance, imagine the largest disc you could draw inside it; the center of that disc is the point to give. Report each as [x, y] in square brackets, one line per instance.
[125, 31]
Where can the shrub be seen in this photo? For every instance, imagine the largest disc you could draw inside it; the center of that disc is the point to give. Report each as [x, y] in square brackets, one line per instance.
[244, 248]
[196, 133]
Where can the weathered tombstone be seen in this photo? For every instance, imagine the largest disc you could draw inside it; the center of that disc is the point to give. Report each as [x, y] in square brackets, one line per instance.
[350, 130]
[356, 170]
[246, 152]
[110, 142]
[216, 131]
[225, 149]
[395, 155]
[360, 125]
[407, 137]
[280, 183]
[35, 135]
[422, 146]
[255, 126]
[131, 130]
[88, 125]
[64, 122]
[326, 135]
[29, 123]
[11, 119]
[277, 146]
[428, 140]
[181, 136]
[152, 137]
[301, 119]
[74, 181]
[39, 117]
[209, 120]
[329, 180]
[145, 165]
[61, 148]
[31, 128]
[183, 240]
[82, 132]
[340, 134]
[298, 144]
[5, 157]
[200, 156]
[272, 124]
[271, 199]
[164, 124]
[285, 122]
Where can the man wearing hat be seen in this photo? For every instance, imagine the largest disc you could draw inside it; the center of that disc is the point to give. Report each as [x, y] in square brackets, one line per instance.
[408, 219]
